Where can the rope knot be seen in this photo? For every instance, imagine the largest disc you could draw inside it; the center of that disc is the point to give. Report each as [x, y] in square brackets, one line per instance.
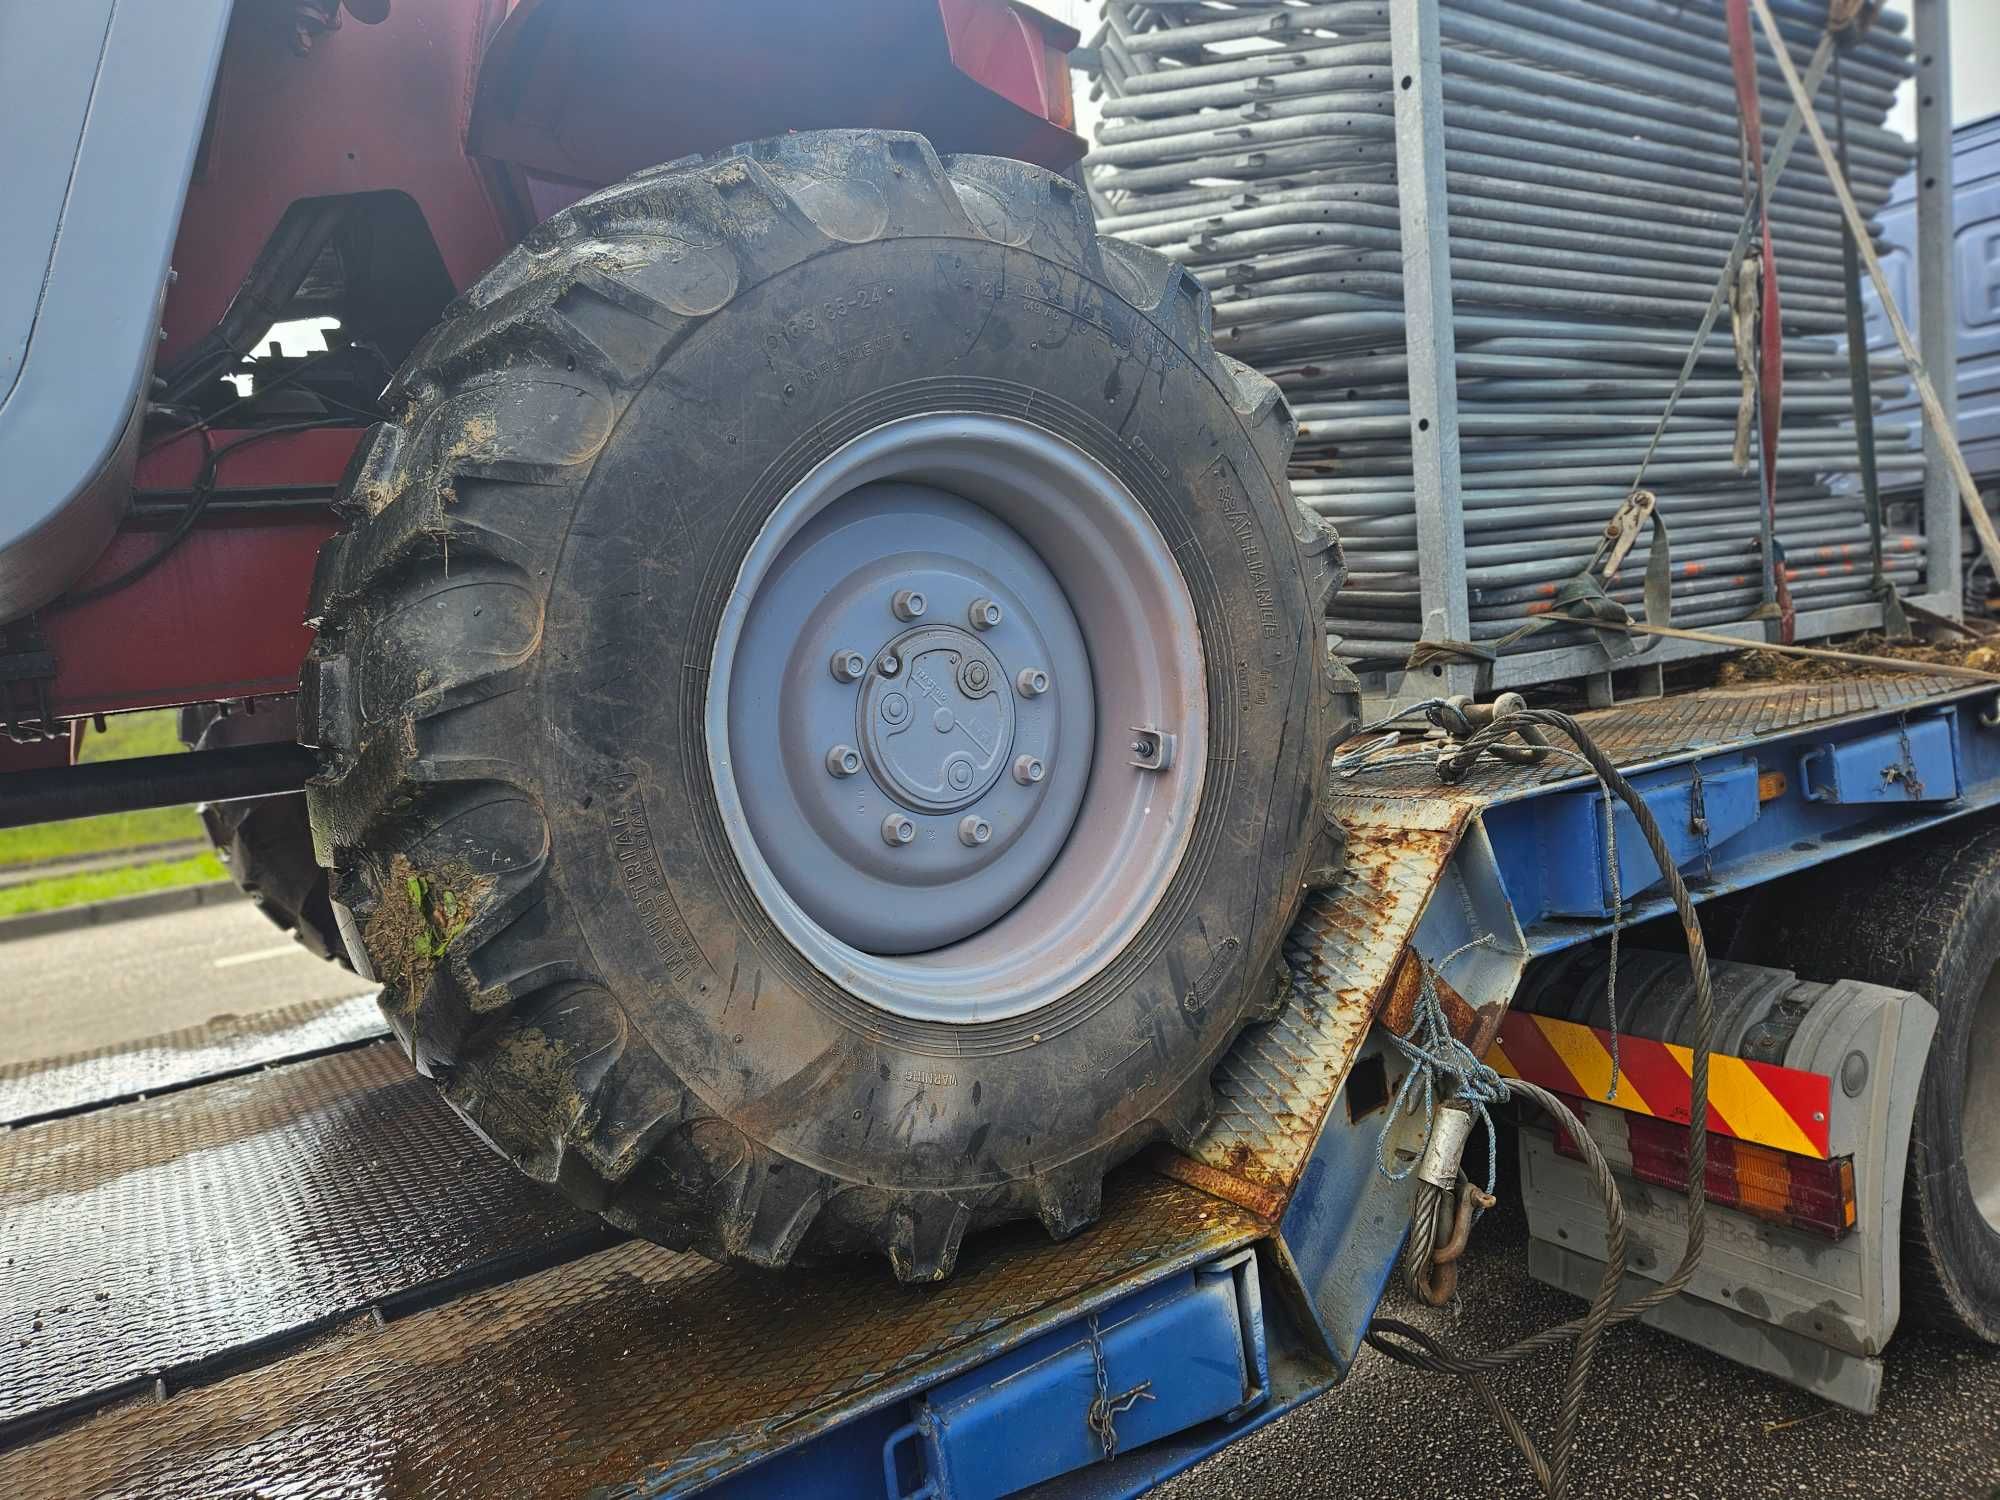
[1435, 1055]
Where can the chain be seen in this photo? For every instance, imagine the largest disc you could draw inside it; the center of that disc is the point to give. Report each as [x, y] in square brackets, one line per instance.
[1105, 1407]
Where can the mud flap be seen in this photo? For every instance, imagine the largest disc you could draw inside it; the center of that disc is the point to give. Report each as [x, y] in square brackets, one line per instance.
[1811, 1304]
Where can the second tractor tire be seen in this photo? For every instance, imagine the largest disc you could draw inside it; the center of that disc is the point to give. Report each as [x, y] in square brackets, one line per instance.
[1924, 916]
[266, 843]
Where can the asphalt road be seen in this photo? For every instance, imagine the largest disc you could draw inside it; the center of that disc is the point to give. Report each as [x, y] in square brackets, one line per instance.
[68, 992]
[1664, 1420]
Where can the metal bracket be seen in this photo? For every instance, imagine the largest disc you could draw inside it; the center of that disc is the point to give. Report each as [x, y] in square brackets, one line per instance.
[27, 672]
[1152, 749]
[1187, 1350]
[1914, 762]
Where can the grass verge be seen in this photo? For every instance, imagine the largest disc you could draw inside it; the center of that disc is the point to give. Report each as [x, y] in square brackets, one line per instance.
[106, 885]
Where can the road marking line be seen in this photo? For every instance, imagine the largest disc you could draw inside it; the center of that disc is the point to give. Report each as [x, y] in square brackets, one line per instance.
[257, 957]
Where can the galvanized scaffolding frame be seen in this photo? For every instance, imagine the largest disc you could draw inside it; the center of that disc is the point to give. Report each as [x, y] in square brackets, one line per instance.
[1417, 58]
[1438, 415]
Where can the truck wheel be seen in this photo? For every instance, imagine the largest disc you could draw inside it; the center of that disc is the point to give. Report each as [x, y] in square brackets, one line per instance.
[266, 844]
[824, 701]
[1924, 915]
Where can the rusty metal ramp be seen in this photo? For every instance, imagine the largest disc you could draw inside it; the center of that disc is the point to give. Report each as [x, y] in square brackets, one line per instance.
[315, 1268]
[154, 1242]
[635, 1367]
[229, 1045]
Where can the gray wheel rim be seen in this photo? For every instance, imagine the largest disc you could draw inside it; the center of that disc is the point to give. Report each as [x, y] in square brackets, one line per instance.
[957, 717]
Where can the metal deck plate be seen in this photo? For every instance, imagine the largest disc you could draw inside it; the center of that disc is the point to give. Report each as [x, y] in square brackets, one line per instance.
[151, 1240]
[634, 1363]
[158, 1065]
[1650, 729]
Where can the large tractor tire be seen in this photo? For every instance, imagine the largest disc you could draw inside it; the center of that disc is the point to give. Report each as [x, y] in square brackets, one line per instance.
[824, 702]
[1925, 916]
[266, 844]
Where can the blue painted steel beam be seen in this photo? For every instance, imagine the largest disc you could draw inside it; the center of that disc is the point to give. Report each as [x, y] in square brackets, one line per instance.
[1186, 1351]
[1346, 1219]
[1820, 792]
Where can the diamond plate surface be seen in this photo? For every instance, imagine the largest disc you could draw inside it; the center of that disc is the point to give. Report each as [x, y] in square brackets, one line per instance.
[635, 1362]
[1276, 1085]
[176, 1059]
[1708, 719]
[147, 1239]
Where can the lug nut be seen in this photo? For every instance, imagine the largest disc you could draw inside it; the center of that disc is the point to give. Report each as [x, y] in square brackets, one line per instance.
[1028, 770]
[909, 604]
[1031, 682]
[983, 613]
[843, 760]
[974, 830]
[848, 666]
[897, 830]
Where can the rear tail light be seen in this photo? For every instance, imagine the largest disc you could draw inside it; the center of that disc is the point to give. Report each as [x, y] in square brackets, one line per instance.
[1800, 1192]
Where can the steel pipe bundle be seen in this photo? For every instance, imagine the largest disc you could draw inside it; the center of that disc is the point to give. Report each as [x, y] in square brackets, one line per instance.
[1593, 191]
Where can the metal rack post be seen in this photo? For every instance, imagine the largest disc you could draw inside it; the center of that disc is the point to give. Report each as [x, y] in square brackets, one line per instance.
[1416, 57]
[1937, 320]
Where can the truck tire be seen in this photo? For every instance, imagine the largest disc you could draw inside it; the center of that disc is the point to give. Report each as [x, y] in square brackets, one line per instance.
[266, 844]
[1923, 915]
[824, 702]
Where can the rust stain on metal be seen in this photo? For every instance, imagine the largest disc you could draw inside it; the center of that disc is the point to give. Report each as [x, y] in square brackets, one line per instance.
[1231, 1186]
[1399, 1008]
[552, 1385]
[1486, 1030]
[1275, 1088]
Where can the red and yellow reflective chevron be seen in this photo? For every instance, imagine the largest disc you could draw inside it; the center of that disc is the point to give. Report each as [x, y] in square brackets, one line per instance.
[1785, 1108]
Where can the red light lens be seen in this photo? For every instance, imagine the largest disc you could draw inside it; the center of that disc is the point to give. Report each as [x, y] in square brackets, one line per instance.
[1800, 1192]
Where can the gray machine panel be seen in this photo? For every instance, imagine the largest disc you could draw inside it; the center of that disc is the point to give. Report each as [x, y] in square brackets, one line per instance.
[101, 104]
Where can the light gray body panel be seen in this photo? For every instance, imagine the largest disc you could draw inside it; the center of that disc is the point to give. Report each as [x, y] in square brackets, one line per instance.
[101, 104]
[1976, 303]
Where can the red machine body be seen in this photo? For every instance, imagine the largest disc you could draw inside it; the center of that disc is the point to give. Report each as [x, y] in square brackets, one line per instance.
[484, 117]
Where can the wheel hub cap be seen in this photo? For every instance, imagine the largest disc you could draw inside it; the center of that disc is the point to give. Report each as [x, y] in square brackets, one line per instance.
[884, 764]
[936, 732]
